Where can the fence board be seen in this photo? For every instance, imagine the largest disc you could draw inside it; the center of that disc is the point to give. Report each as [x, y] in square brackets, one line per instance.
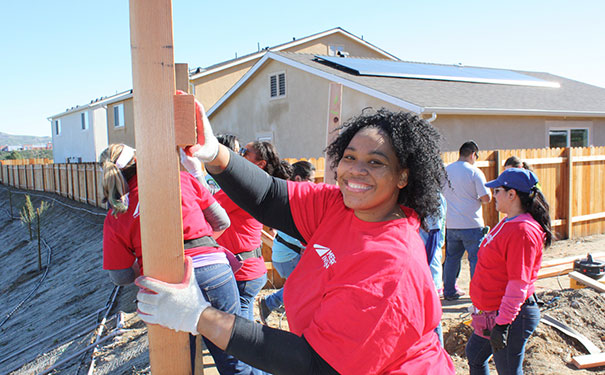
[81, 182]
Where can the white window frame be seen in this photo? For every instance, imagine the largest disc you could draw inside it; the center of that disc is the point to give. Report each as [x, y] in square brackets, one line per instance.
[279, 94]
[57, 127]
[333, 49]
[567, 126]
[84, 120]
[120, 120]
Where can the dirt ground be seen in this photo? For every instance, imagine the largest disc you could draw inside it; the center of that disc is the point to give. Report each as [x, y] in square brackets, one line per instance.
[59, 308]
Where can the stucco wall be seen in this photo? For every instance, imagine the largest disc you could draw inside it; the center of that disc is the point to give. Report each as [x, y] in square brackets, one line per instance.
[123, 134]
[75, 142]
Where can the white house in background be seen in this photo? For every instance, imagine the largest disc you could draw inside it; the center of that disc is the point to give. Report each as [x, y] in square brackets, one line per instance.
[79, 134]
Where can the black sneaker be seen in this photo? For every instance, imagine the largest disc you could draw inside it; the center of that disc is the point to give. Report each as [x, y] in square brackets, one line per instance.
[454, 297]
[263, 310]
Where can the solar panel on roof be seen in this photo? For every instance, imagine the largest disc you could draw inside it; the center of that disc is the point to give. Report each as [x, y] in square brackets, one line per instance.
[388, 68]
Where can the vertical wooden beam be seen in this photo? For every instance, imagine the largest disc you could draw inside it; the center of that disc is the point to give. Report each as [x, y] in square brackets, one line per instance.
[181, 75]
[334, 121]
[570, 193]
[158, 167]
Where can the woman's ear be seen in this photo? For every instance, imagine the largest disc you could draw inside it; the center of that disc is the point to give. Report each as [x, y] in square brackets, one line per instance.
[262, 164]
[403, 178]
[297, 178]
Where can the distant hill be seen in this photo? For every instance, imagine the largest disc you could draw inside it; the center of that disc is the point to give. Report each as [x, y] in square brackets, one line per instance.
[16, 140]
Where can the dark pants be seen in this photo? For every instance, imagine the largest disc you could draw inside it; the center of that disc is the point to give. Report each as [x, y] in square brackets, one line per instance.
[509, 361]
[219, 287]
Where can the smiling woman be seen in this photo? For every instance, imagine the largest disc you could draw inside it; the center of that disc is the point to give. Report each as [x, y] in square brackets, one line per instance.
[361, 299]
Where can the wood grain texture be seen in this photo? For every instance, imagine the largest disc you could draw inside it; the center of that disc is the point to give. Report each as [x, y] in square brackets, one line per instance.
[157, 167]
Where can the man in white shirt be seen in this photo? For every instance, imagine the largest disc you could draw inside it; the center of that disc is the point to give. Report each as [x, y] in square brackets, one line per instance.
[464, 217]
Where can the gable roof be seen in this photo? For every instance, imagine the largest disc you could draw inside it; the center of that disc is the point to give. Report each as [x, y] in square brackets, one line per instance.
[571, 98]
[201, 72]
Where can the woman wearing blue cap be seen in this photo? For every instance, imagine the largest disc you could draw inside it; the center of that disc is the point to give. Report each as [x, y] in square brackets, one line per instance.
[502, 289]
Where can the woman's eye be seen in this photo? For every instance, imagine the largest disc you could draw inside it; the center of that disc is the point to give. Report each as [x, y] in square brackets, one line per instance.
[348, 157]
[376, 162]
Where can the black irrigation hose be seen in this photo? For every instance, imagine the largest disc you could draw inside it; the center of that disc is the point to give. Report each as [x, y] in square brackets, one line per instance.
[35, 288]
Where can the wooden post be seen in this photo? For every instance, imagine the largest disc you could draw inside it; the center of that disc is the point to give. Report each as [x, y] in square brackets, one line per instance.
[181, 75]
[570, 194]
[334, 121]
[158, 167]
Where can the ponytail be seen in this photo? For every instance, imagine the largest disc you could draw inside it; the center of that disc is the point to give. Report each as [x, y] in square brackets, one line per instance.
[536, 205]
[116, 173]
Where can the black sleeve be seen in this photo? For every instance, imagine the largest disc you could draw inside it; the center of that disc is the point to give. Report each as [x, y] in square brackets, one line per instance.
[261, 195]
[274, 351]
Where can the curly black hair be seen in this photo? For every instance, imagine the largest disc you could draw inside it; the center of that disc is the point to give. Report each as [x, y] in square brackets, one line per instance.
[417, 146]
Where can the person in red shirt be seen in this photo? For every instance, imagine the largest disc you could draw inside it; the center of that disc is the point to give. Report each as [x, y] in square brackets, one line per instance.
[361, 300]
[203, 219]
[502, 288]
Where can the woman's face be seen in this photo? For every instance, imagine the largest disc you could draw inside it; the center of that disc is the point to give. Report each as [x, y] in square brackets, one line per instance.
[252, 156]
[504, 199]
[369, 176]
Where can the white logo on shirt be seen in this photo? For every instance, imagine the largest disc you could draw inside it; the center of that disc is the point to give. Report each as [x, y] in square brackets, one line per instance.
[136, 211]
[325, 254]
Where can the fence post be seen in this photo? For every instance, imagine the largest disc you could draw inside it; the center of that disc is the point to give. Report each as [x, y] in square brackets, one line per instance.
[570, 193]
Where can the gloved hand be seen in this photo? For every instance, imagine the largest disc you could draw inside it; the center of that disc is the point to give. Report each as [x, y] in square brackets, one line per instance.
[176, 306]
[192, 164]
[207, 147]
[499, 337]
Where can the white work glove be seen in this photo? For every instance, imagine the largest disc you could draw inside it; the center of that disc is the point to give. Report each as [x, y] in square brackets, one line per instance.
[176, 306]
[207, 148]
[192, 164]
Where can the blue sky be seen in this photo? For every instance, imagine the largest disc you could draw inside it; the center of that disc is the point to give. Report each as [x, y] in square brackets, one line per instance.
[58, 54]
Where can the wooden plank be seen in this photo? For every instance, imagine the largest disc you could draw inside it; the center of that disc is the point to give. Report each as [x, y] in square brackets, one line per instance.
[184, 120]
[595, 216]
[562, 269]
[550, 321]
[158, 167]
[589, 361]
[181, 76]
[571, 259]
[334, 121]
[594, 284]
[570, 193]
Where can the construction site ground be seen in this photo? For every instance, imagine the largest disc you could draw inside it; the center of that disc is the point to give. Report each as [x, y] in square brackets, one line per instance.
[49, 319]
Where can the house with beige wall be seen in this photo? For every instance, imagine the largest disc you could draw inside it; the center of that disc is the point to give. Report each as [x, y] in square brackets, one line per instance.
[498, 108]
[211, 83]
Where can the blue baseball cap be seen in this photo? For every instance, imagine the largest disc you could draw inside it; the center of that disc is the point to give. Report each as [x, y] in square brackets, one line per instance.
[515, 178]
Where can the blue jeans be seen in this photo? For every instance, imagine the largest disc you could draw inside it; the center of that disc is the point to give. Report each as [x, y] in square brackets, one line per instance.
[509, 361]
[220, 289]
[284, 269]
[248, 290]
[457, 241]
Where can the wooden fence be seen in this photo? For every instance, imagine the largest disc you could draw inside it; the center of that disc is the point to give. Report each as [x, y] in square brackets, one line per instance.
[571, 179]
[26, 161]
[81, 182]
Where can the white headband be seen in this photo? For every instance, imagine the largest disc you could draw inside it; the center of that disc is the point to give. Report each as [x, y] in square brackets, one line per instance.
[125, 157]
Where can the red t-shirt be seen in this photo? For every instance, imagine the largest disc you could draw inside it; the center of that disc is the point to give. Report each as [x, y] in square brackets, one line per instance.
[512, 250]
[122, 234]
[244, 234]
[362, 294]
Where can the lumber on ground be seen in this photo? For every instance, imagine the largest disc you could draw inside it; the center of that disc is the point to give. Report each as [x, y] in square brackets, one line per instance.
[158, 167]
[589, 361]
[571, 259]
[594, 284]
[549, 320]
[561, 269]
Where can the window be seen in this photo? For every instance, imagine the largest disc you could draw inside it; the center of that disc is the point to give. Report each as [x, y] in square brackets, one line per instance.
[57, 127]
[118, 115]
[568, 137]
[277, 85]
[84, 120]
[334, 49]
